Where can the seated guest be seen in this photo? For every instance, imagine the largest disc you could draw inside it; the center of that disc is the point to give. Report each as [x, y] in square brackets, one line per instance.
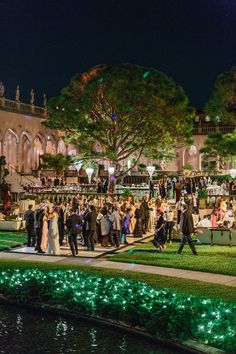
[205, 222]
[229, 218]
[233, 227]
[214, 218]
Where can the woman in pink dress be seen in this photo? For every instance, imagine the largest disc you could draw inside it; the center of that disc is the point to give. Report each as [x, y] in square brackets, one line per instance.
[214, 216]
[44, 242]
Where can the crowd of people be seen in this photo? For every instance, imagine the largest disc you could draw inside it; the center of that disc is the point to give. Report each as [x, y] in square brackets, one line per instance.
[96, 221]
[107, 222]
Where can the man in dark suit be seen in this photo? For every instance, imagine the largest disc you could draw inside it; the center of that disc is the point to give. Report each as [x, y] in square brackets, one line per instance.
[187, 228]
[61, 224]
[73, 224]
[29, 218]
[151, 189]
[38, 223]
[91, 220]
[144, 213]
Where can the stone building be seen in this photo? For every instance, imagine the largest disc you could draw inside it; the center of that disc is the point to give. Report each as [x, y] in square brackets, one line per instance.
[23, 137]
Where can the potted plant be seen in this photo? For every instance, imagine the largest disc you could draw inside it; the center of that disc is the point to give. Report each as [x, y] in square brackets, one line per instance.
[126, 193]
[187, 169]
[202, 197]
[142, 167]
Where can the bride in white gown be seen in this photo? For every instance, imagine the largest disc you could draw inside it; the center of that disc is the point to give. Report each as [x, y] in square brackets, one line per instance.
[53, 233]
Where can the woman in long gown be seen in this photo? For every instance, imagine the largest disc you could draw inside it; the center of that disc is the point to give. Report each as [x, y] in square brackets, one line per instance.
[152, 215]
[44, 242]
[53, 233]
[132, 218]
[138, 230]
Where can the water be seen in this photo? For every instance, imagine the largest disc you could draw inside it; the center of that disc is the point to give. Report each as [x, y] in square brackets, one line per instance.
[26, 331]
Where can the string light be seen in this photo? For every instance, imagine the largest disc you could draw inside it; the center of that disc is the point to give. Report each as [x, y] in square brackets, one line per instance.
[163, 313]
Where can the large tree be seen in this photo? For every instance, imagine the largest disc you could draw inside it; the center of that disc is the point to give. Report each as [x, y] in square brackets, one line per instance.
[116, 112]
[221, 106]
[220, 147]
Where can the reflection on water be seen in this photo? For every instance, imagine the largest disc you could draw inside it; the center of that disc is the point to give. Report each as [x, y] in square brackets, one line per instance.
[24, 331]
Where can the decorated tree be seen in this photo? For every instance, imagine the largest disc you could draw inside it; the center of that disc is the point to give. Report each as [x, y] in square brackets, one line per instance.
[221, 106]
[58, 163]
[117, 112]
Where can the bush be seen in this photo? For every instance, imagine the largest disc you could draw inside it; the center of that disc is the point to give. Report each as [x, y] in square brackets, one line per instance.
[188, 166]
[202, 194]
[163, 313]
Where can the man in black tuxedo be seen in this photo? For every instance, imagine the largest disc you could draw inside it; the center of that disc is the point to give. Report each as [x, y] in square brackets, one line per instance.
[29, 218]
[144, 213]
[91, 220]
[187, 228]
[61, 224]
[38, 222]
[73, 224]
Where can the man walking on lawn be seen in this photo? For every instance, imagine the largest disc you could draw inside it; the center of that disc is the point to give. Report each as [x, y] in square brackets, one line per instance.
[187, 229]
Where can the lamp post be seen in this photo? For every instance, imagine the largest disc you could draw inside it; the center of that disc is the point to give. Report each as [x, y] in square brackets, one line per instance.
[232, 172]
[78, 165]
[150, 170]
[89, 172]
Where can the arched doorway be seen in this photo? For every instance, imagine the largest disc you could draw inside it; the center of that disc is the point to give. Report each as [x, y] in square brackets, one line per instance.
[10, 149]
[51, 145]
[37, 151]
[61, 147]
[191, 157]
[25, 153]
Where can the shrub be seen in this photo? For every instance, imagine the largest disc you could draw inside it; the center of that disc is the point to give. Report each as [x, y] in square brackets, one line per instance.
[163, 313]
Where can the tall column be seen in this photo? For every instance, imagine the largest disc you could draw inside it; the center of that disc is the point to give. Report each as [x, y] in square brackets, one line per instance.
[183, 158]
[199, 161]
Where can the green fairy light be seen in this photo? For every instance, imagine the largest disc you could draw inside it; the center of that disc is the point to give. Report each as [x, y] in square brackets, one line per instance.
[131, 301]
[146, 74]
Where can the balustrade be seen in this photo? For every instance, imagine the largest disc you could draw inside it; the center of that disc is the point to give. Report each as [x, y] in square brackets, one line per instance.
[10, 105]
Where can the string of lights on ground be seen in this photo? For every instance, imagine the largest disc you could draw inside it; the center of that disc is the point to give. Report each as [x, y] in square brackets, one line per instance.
[163, 313]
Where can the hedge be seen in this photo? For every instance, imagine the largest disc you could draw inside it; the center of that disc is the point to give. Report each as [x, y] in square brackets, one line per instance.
[162, 313]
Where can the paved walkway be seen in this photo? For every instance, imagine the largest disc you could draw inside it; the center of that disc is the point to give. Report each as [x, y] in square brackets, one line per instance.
[123, 267]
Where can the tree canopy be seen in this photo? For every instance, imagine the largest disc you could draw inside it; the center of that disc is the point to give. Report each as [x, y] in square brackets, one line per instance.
[221, 106]
[116, 112]
[219, 146]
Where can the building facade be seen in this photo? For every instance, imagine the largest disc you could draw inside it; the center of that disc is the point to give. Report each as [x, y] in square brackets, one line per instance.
[23, 137]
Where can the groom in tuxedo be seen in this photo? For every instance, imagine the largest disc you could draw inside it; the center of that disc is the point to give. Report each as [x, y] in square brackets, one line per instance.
[73, 224]
[38, 222]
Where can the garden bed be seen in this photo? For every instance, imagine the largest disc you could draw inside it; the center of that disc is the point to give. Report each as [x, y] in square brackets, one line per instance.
[162, 313]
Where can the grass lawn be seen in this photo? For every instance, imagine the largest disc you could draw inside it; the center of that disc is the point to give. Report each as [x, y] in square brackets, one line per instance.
[213, 259]
[10, 239]
[183, 286]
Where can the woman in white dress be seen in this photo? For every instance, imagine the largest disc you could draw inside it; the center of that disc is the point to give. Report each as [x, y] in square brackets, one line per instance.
[53, 233]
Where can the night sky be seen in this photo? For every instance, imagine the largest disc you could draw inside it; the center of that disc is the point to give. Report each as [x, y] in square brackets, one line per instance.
[45, 42]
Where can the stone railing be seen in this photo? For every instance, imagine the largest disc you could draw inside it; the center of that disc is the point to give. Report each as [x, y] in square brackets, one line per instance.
[205, 130]
[23, 108]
